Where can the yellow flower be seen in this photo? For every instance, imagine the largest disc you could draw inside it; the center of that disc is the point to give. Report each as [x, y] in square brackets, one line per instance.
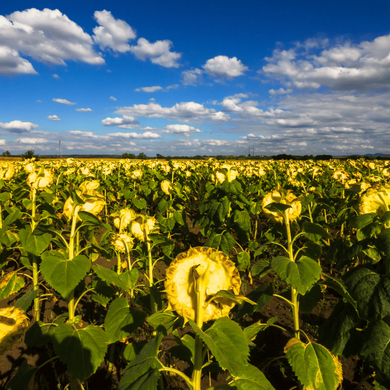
[41, 179]
[137, 174]
[126, 216]
[7, 171]
[121, 241]
[340, 175]
[375, 200]
[217, 273]
[89, 187]
[142, 227]
[92, 204]
[167, 187]
[13, 323]
[285, 197]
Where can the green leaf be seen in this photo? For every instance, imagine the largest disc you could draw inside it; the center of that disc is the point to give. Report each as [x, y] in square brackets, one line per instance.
[89, 217]
[82, 350]
[242, 219]
[301, 274]
[376, 346]
[235, 298]
[13, 285]
[139, 203]
[129, 278]
[214, 241]
[39, 334]
[338, 287]
[261, 295]
[142, 373]
[243, 261]
[109, 276]
[23, 377]
[315, 367]
[63, 274]
[361, 221]
[371, 291]
[227, 342]
[309, 301]
[33, 243]
[227, 243]
[251, 331]
[261, 268]
[383, 242]
[25, 301]
[251, 378]
[121, 321]
[314, 232]
[277, 207]
[165, 322]
[223, 208]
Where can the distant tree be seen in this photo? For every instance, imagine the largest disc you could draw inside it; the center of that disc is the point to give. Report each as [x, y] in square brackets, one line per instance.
[142, 156]
[6, 153]
[128, 155]
[30, 154]
[158, 155]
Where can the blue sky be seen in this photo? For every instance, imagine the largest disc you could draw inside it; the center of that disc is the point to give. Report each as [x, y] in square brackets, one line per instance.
[195, 77]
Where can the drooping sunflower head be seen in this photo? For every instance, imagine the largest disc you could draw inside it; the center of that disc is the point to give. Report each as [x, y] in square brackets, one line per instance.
[13, 323]
[122, 242]
[375, 200]
[215, 267]
[126, 215]
[40, 179]
[142, 226]
[285, 197]
[167, 187]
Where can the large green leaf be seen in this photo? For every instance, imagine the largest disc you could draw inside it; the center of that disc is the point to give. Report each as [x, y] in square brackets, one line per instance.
[39, 334]
[223, 208]
[129, 277]
[165, 322]
[371, 291]
[34, 243]
[251, 378]
[376, 346]
[63, 274]
[227, 342]
[227, 243]
[110, 277]
[315, 367]
[301, 274]
[13, 285]
[121, 321]
[242, 219]
[82, 350]
[26, 300]
[142, 373]
[314, 231]
[23, 377]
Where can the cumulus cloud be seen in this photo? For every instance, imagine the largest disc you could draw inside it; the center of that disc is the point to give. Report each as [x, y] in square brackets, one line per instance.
[180, 130]
[64, 101]
[184, 111]
[53, 118]
[158, 52]
[11, 63]
[113, 98]
[47, 36]
[112, 33]
[32, 140]
[191, 77]
[145, 135]
[280, 91]
[18, 126]
[149, 89]
[56, 76]
[224, 67]
[126, 120]
[84, 109]
[343, 66]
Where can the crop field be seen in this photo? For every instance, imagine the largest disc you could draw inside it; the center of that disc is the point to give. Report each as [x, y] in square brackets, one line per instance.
[145, 275]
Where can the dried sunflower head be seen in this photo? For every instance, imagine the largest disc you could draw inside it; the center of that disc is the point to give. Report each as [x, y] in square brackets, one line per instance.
[126, 215]
[375, 200]
[142, 226]
[167, 187]
[285, 197]
[218, 273]
[41, 179]
[121, 241]
[89, 187]
[93, 205]
[13, 323]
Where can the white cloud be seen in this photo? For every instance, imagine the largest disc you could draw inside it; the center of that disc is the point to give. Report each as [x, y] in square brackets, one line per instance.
[18, 126]
[53, 118]
[84, 109]
[180, 130]
[145, 135]
[280, 91]
[342, 66]
[64, 101]
[224, 67]
[149, 89]
[126, 120]
[11, 63]
[112, 33]
[47, 36]
[32, 140]
[173, 86]
[191, 77]
[158, 52]
[184, 111]
[56, 76]
[2, 142]
[113, 98]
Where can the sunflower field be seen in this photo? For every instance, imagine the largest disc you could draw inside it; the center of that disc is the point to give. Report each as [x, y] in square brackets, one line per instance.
[154, 274]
